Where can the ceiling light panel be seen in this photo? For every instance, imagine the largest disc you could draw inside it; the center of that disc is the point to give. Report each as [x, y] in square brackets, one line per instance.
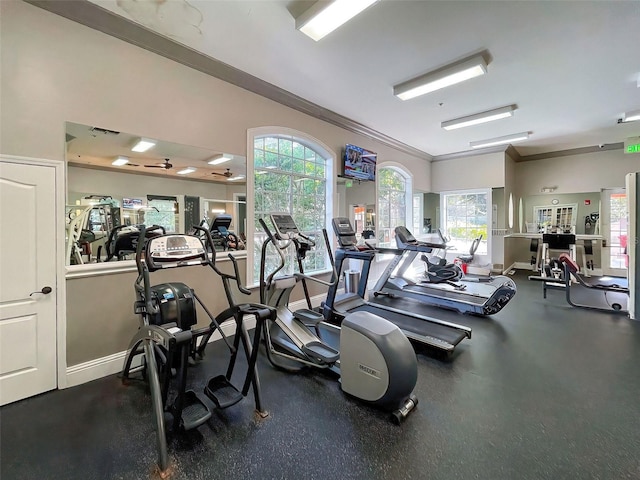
[442, 77]
[143, 144]
[322, 18]
[220, 159]
[631, 116]
[500, 140]
[186, 171]
[120, 161]
[478, 118]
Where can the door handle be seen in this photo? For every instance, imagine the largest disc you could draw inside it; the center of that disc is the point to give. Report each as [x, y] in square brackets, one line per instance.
[44, 291]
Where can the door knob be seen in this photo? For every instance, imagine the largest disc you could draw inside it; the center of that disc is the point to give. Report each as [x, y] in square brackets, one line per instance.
[44, 291]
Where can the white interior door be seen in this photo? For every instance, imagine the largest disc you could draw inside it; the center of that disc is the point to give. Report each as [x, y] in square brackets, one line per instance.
[28, 362]
[614, 229]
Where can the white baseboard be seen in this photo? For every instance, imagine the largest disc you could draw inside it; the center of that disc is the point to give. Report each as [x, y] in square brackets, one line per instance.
[112, 364]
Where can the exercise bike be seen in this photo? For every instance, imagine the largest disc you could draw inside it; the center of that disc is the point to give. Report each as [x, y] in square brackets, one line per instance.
[374, 359]
[165, 338]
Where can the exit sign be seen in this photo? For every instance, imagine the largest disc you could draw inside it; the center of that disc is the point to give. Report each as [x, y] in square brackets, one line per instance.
[633, 148]
[632, 145]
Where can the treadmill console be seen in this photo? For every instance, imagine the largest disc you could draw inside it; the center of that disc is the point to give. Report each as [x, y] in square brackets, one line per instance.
[344, 231]
[285, 226]
[403, 235]
[177, 250]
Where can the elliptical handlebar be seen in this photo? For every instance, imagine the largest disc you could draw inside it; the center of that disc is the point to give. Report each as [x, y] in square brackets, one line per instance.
[212, 261]
[280, 248]
[143, 273]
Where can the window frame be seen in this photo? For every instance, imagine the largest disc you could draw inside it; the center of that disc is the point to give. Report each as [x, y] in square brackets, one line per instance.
[408, 212]
[555, 213]
[331, 203]
[482, 258]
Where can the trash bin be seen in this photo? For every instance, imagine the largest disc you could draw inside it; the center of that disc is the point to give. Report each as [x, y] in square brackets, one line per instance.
[351, 280]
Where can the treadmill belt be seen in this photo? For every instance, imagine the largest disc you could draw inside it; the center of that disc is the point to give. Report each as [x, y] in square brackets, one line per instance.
[460, 296]
[417, 326]
[418, 308]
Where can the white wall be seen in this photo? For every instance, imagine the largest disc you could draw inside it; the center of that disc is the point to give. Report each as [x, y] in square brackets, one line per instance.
[55, 70]
[478, 171]
[589, 172]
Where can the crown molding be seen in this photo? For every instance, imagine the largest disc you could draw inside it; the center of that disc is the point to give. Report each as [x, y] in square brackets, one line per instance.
[572, 151]
[93, 16]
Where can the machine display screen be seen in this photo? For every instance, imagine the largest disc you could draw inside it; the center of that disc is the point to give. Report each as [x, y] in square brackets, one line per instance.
[175, 248]
[284, 224]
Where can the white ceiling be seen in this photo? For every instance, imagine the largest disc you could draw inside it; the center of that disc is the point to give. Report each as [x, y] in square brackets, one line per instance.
[571, 67]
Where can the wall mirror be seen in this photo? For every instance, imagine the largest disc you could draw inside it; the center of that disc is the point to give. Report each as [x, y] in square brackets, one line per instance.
[112, 188]
[565, 213]
[360, 203]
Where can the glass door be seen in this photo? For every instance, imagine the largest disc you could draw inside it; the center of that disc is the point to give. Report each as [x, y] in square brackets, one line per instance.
[614, 230]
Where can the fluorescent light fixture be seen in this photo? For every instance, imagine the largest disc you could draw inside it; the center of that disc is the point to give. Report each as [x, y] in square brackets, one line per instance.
[186, 171]
[500, 140]
[457, 72]
[478, 118]
[631, 116]
[143, 144]
[324, 17]
[118, 162]
[217, 160]
[237, 177]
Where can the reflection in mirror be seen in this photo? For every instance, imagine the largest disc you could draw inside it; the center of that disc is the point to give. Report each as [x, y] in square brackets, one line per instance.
[226, 221]
[112, 188]
[431, 213]
[360, 200]
[560, 213]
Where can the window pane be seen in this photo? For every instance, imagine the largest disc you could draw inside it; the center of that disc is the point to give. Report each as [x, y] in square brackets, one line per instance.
[296, 185]
[298, 150]
[271, 144]
[285, 146]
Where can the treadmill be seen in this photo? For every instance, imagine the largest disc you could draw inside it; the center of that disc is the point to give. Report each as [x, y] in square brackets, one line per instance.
[477, 296]
[411, 317]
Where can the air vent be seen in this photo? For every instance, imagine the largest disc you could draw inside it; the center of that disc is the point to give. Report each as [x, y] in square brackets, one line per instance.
[103, 131]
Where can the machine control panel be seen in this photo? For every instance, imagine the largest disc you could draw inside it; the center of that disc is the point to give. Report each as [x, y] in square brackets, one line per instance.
[344, 231]
[174, 250]
[285, 225]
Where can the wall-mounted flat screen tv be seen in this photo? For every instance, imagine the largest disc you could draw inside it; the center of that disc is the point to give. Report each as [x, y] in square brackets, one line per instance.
[359, 163]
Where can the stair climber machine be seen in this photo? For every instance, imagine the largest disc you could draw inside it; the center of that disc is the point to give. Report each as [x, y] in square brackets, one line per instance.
[165, 338]
[375, 361]
[478, 296]
[412, 317]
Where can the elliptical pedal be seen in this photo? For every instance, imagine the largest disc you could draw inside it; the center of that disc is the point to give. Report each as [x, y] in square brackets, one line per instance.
[222, 392]
[194, 411]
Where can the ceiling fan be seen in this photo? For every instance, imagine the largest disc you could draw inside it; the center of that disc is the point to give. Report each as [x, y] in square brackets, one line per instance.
[226, 174]
[166, 165]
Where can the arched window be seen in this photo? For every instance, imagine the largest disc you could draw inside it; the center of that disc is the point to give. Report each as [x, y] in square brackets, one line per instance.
[394, 202]
[293, 173]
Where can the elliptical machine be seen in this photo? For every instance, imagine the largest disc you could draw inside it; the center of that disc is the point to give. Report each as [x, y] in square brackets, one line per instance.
[374, 359]
[165, 337]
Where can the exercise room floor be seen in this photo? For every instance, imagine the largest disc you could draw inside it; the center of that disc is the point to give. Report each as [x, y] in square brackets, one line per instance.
[540, 391]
